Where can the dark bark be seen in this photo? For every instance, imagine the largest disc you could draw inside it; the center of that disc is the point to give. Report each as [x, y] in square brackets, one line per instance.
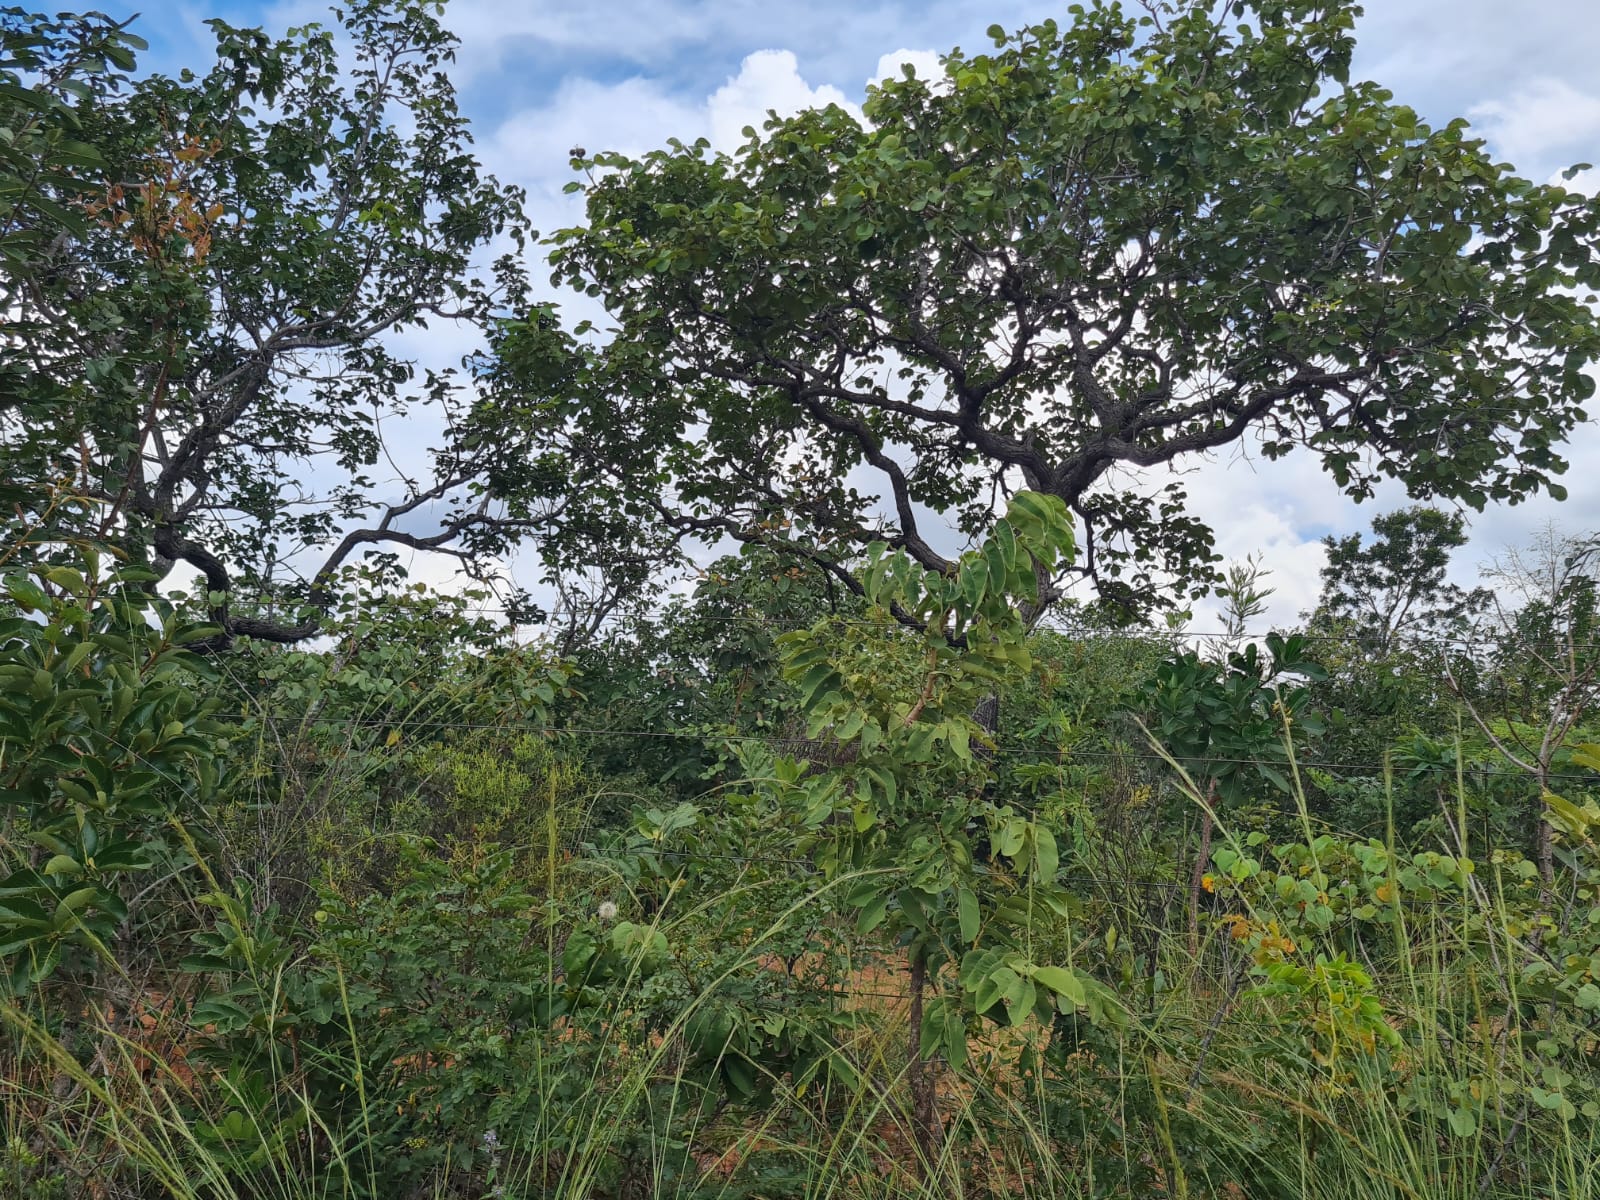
[921, 1074]
[1197, 876]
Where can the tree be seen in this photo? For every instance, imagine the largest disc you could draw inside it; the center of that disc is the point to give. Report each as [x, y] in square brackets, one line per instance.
[107, 747]
[903, 810]
[1228, 724]
[200, 278]
[1392, 589]
[703, 661]
[1104, 248]
[1540, 678]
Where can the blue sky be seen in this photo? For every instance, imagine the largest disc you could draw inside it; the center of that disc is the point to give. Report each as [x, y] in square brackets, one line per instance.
[538, 78]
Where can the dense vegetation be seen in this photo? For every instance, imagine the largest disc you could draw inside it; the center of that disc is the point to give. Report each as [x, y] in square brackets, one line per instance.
[887, 858]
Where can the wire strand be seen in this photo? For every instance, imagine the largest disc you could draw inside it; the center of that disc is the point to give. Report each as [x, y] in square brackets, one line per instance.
[777, 742]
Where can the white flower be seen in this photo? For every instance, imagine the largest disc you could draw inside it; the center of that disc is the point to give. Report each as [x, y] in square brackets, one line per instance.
[607, 911]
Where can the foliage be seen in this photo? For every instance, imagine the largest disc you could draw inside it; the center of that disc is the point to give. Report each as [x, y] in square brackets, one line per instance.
[1226, 721]
[856, 869]
[1366, 900]
[733, 958]
[1107, 245]
[419, 996]
[400, 726]
[705, 662]
[106, 747]
[1569, 971]
[909, 808]
[1543, 667]
[202, 283]
[50, 71]
[1392, 591]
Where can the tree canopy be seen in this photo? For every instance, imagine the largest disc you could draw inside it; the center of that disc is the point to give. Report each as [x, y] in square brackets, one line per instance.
[204, 276]
[1393, 589]
[1107, 246]
[842, 871]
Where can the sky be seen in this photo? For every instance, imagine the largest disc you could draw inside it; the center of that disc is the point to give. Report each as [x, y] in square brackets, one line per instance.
[536, 79]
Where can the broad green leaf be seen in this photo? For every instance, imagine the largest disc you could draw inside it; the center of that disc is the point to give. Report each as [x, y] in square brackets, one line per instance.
[1045, 858]
[1067, 987]
[871, 916]
[967, 912]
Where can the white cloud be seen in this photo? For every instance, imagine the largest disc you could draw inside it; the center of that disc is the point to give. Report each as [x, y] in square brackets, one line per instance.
[631, 116]
[1276, 510]
[925, 62]
[636, 115]
[532, 148]
[650, 34]
[768, 80]
[1587, 182]
[1533, 60]
[1544, 117]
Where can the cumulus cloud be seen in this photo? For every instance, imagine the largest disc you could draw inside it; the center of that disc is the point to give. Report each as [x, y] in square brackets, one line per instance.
[631, 116]
[532, 147]
[1545, 117]
[637, 114]
[838, 38]
[925, 62]
[1587, 182]
[543, 80]
[1276, 510]
[768, 80]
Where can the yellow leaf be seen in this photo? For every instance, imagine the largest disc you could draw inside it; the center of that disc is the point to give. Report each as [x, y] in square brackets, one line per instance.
[1587, 755]
[1567, 816]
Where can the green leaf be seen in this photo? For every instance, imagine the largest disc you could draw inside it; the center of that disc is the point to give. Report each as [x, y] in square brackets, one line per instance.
[959, 739]
[967, 913]
[871, 916]
[1276, 778]
[63, 865]
[974, 582]
[1067, 986]
[1566, 815]
[29, 596]
[1001, 983]
[67, 578]
[815, 682]
[1045, 858]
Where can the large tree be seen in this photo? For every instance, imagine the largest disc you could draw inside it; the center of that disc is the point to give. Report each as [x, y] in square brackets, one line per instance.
[1536, 683]
[204, 277]
[1392, 589]
[1104, 248]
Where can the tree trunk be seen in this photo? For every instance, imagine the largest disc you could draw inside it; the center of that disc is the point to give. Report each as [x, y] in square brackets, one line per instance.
[1544, 843]
[987, 714]
[1197, 876]
[921, 1076]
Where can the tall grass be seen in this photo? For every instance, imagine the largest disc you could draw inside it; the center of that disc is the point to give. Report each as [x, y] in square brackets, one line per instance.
[1246, 1126]
[1202, 1090]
